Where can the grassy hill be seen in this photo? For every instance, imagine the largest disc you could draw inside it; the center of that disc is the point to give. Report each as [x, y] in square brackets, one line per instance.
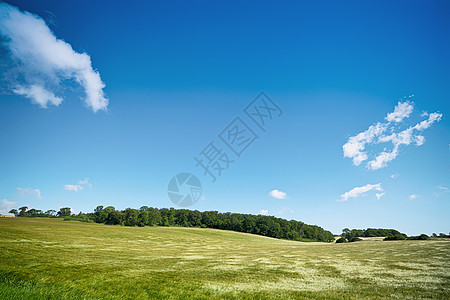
[50, 258]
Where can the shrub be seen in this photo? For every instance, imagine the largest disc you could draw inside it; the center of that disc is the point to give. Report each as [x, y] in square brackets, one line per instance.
[341, 240]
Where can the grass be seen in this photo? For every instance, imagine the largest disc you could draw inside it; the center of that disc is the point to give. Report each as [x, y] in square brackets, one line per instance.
[55, 259]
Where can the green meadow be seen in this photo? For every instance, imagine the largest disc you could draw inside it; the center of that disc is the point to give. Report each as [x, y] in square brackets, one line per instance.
[44, 258]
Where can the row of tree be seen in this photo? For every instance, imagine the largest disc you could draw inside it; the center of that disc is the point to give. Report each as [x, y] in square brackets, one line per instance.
[148, 216]
[388, 234]
[25, 212]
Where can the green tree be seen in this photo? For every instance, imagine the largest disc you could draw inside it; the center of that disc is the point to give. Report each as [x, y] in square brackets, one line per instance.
[64, 212]
[23, 211]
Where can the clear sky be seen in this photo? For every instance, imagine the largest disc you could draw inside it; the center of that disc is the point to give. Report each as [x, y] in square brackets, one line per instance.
[113, 99]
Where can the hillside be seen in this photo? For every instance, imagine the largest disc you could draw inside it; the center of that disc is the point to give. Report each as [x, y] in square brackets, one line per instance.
[51, 258]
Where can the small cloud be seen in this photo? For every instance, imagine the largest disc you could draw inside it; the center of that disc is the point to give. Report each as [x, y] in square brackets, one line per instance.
[379, 195]
[78, 187]
[393, 176]
[278, 194]
[263, 212]
[27, 193]
[73, 187]
[39, 63]
[6, 206]
[441, 187]
[85, 182]
[441, 190]
[361, 191]
[413, 196]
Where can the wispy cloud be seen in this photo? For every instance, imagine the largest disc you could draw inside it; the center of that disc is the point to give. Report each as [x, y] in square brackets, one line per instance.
[40, 62]
[441, 190]
[413, 196]
[393, 176]
[375, 134]
[362, 190]
[78, 187]
[27, 193]
[6, 206]
[278, 194]
[263, 212]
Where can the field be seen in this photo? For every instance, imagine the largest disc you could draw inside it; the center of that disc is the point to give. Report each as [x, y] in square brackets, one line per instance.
[55, 259]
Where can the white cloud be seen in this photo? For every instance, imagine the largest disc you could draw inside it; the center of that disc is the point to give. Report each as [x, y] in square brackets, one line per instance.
[393, 176]
[78, 187]
[27, 193]
[379, 195]
[375, 134]
[413, 196]
[360, 191]
[441, 187]
[85, 182]
[356, 144]
[6, 206]
[42, 61]
[263, 212]
[278, 194]
[401, 111]
[442, 190]
[38, 94]
[73, 187]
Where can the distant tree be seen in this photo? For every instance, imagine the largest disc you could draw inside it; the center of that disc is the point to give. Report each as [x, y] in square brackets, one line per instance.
[346, 233]
[23, 211]
[14, 211]
[341, 240]
[434, 234]
[51, 213]
[64, 212]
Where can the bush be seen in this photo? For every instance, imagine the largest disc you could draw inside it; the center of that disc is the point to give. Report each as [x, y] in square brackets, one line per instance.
[421, 237]
[394, 238]
[354, 239]
[341, 240]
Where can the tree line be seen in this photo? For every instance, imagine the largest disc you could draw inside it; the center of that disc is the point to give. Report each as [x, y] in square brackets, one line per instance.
[148, 216]
[354, 235]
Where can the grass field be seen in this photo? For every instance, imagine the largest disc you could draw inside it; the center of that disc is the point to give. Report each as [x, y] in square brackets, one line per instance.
[51, 258]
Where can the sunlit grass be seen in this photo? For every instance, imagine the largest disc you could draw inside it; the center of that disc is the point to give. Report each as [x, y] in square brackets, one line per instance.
[51, 258]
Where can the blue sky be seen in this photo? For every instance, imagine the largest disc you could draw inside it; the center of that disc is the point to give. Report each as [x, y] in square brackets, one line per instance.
[159, 81]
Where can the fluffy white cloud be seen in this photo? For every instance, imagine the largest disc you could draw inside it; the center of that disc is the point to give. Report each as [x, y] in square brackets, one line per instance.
[79, 186]
[27, 193]
[6, 206]
[38, 94]
[278, 194]
[401, 111]
[360, 191]
[375, 134]
[263, 212]
[413, 196]
[356, 144]
[41, 61]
